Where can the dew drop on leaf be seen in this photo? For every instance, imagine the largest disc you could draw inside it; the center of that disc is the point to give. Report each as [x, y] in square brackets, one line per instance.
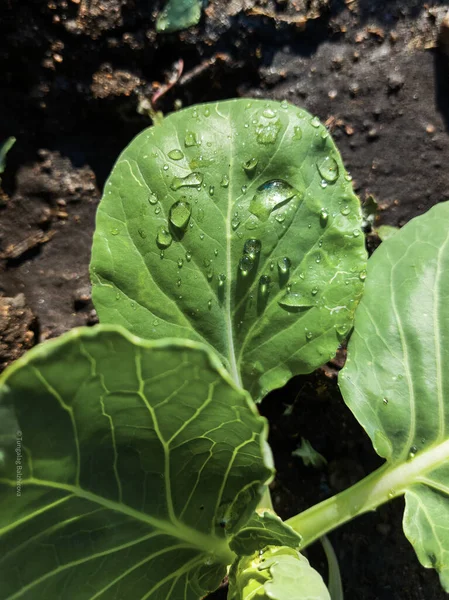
[221, 280]
[270, 196]
[235, 223]
[152, 199]
[224, 181]
[211, 190]
[209, 304]
[142, 233]
[163, 238]
[250, 166]
[297, 132]
[179, 214]
[192, 180]
[252, 248]
[328, 169]
[114, 231]
[264, 285]
[157, 210]
[190, 139]
[284, 265]
[267, 132]
[293, 300]
[345, 210]
[315, 122]
[246, 264]
[362, 275]
[175, 154]
[324, 217]
[188, 256]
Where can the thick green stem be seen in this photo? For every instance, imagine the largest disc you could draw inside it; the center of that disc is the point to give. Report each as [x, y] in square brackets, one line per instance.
[366, 495]
[265, 501]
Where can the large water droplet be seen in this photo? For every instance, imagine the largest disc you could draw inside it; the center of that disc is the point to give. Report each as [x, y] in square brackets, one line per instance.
[153, 199]
[175, 154]
[192, 180]
[190, 139]
[267, 132]
[328, 169]
[270, 196]
[269, 114]
[297, 132]
[250, 166]
[324, 217]
[294, 301]
[284, 265]
[163, 238]
[252, 248]
[246, 264]
[264, 285]
[345, 210]
[179, 214]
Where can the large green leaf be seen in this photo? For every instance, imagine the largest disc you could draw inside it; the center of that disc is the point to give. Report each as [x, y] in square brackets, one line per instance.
[126, 466]
[277, 573]
[233, 224]
[396, 379]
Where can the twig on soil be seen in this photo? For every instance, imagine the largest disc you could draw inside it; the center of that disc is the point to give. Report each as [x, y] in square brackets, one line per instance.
[15, 251]
[173, 79]
[202, 67]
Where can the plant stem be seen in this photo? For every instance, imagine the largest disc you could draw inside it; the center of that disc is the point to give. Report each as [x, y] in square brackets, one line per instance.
[265, 501]
[366, 495]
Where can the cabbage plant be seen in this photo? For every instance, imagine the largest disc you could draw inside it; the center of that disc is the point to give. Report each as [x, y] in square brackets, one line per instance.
[228, 257]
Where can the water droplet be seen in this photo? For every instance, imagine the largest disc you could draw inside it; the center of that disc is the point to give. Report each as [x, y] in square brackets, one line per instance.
[221, 280]
[252, 223]
[201, 236]
[165, 167]
[267, 132]
[269, 114]
[192, 180]
[190, 139]
[175, 154]
[152, 199]
[211, 190]
[345, 210]
[195, 113]
[284, 104]
[250, 166]
[200, 215]
[115, 231]
[209, 304]
[356, 232]
[342, 331]
[348, 177]
[385, 400]
[163, 238]
[280, 217]
[246, 264]
[315, 122]
[142, 233]
[188, 256]
[161, 254]
[224, 181]
[284, 265]
[294, 301]
[178, 283]
[252, 248]
[297, 132]
[362, 275]
[206, 112]
[179, 214]
[264, 285]
[314, 291]
[323, 184]
[270, 196]
[328, 169]
[309, 335]
[180, 263]
[324, 217]
[412, 452]
[235, 223]
[157, 210]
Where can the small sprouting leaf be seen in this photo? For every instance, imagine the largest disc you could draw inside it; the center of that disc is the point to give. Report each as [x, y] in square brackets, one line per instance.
[309, 456]
[4, 149]
[266, 223]
[277, 573]
[178, 15]
[396, 378]
[264, 529]
[126, 468]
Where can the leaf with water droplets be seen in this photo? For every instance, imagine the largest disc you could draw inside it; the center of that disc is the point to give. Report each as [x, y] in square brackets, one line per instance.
[396, 379]
[133, 454]
[257, 202]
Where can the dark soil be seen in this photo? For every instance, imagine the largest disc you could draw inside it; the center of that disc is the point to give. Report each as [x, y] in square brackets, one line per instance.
[78, 77]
